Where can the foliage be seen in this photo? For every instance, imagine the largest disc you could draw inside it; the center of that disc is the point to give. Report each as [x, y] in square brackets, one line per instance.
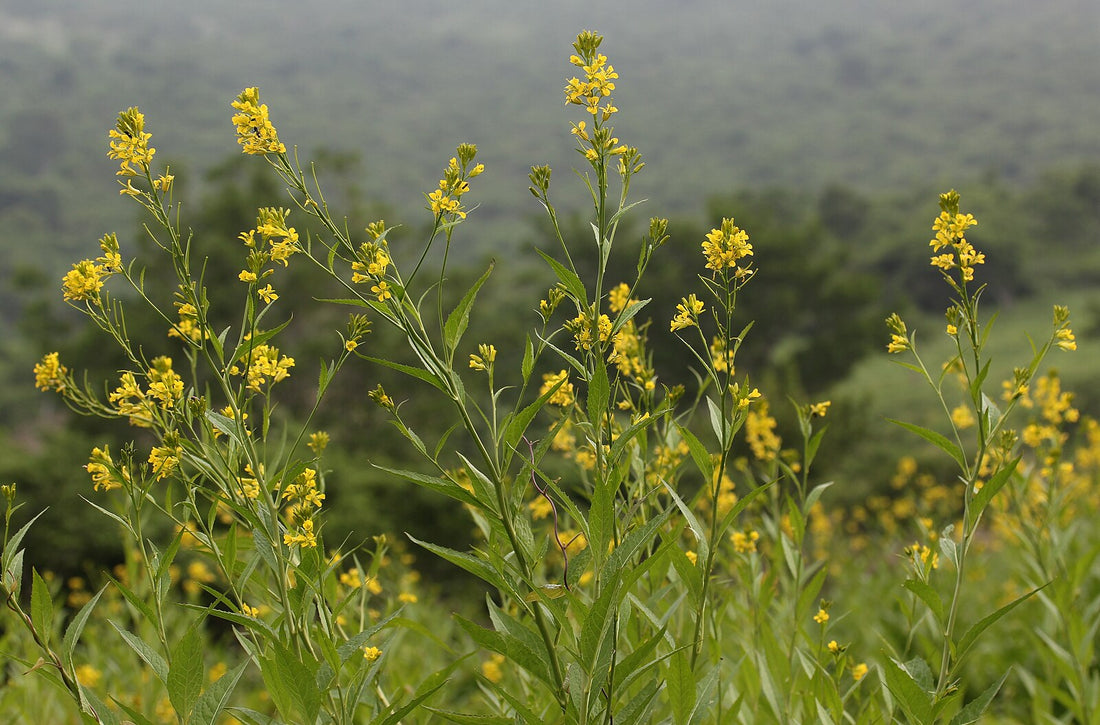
[638, 567]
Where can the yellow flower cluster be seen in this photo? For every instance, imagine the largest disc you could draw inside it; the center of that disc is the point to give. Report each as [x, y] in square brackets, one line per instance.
[447, 199]
[263, 363]
[254, 130]
[760, 433]
[563, 396]
[744, 542]
[588, 332]
[130, 144]
[84, 281]
[164, 391]
[899, 338]
[725, 247]
[687, 313]
[276, 242]
[188, 327]
[303, 492]
[164, 460]
[599, 77]
[51, 374]
[950, 227]
[105, 474]
[484, 359]
[304, 536]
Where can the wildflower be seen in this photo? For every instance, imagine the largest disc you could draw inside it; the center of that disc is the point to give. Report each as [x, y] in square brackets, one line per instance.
[744, 542]
[351, 579]
[834, 647]
[588, 332]
[163, 460]
[563, 396]
[188, 327]
[819, 409]
[254, 130]
[163, 182]
[692, 557]
[382, 290]
[760, 434]
[599, 77]
[379, 396]
[407, 598]
[487, 355]
[899, 340]
[267, 294]
[619, 297]
[490, 668]
[721, 357]
[304, 537]
[821, 617]
[447, 199]
[164, 384]
[246, 276]
[962, 417]
[950, 227]
[370, 654]
[88, 676]
[50, 373]
[540, 508]
[859, 671]
[83, 282]
[687, 313]
[105, 475]
[263, 363]
[725, 246]
[130, 143]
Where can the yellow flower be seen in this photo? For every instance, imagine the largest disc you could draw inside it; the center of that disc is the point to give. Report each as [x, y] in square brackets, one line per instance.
[50, 373]
[819, 409]
[382, 290]
[254, 130]
[88, 676]
[248, 611]
[821, 617]
[859, 671]
[490, 668]
[130, 143]
[371, 653]
[84, 281]
[163, 460]
[834, 647]
[318, 441]
[725, 246]
[105, 475]
[744, 542]
[962, 417]
[687, 313]
[407, 598]
[563, 396]
[267, 294]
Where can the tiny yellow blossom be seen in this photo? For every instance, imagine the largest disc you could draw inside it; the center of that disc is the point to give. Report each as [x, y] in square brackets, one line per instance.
[371, 653]
[50, 373]
[255, 133]
[490, 668]
[563, 396]
[821, 617]
[687, 313]
[859, 671]
[267, 294]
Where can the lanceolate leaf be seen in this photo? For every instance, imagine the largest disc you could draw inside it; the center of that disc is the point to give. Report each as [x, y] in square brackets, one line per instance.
[459, 318]
[976, 707]
[913, 699]
[935, 439]
[985, 623]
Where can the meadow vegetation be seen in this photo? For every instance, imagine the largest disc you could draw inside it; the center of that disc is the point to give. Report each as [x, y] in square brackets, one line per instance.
[642, 537]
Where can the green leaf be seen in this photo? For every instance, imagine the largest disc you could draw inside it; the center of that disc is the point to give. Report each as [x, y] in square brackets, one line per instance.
[599, 391]
[989, 490]
[417, 373]
[597, 624]
[568, 278]
[442, 485]
[693, 523]
[459, 319]
[528, 359]
[145, 652]
[216, 697]
[76, 627]
[928, 595]
[41, 608]
[292, 684]
[185, 675]
[680, 684]
[699, 454]
[509, 646]
[976, 707]
[911, 696]
[464, 719]
[478, 567]
[601, 519]
[935, 439]
[985, 623]
[11, 548]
